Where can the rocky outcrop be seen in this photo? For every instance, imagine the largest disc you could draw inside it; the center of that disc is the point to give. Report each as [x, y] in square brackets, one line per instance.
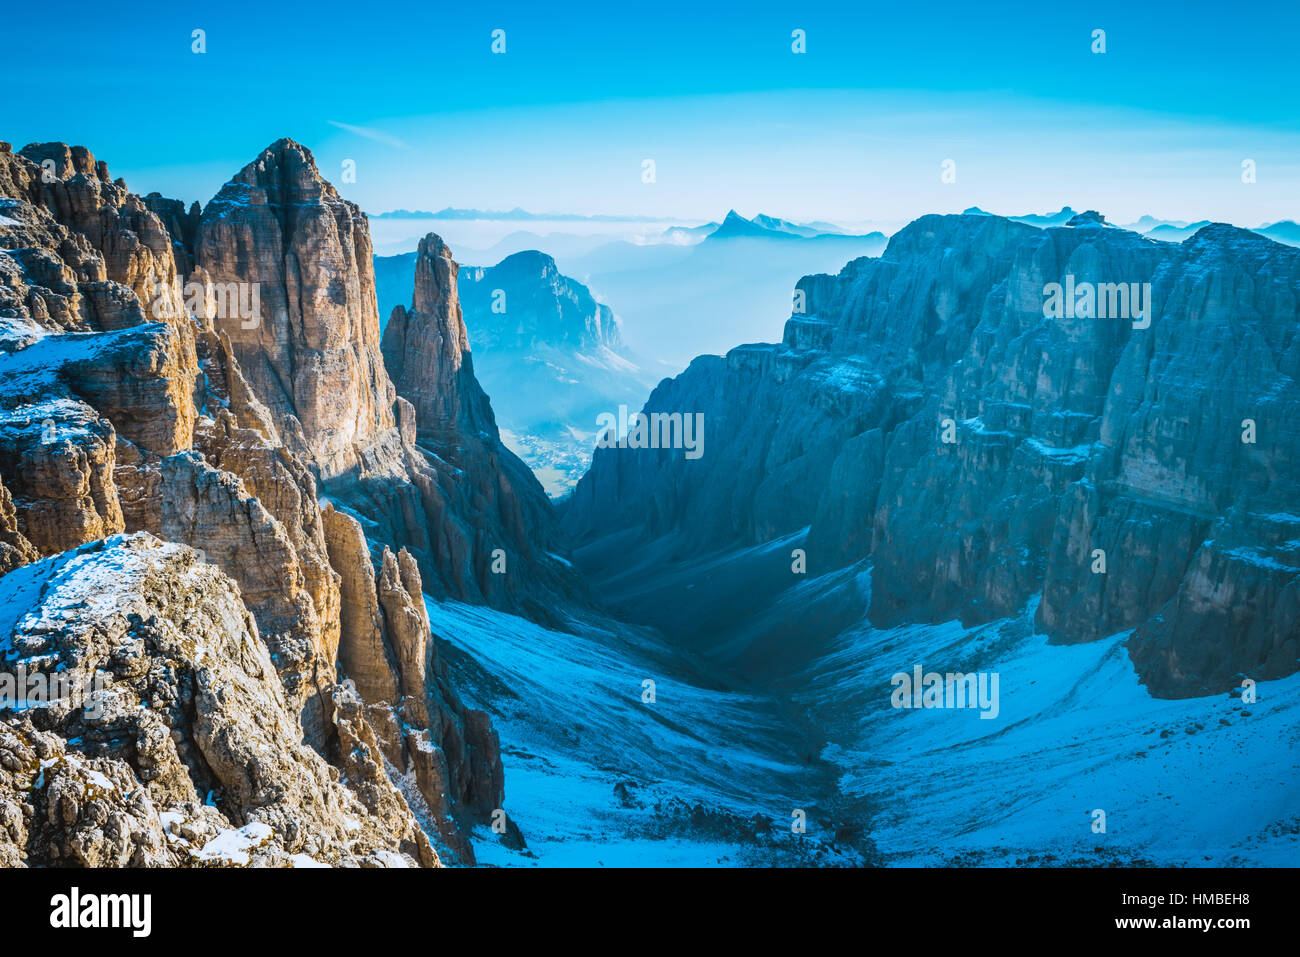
[923, 411]
[204, 431]
[15, 548]
[181, 751]
[446, 755]
[241, 536]
[485, 507]
[58, 459]
[311, 352]
[553, 358]
[95, 394]
[131, 240]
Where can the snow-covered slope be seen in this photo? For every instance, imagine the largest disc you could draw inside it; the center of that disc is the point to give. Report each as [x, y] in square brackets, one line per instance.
[1201, 781]
[598, 776]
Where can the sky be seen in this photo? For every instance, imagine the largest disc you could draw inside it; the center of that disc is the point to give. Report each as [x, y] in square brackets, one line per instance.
[855, 129]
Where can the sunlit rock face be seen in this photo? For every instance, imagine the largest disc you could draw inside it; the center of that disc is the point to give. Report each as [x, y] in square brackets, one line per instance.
[312, 352]
[186, 734]
[932, 410]
[485, 506]
[132, 404]
[553, 360]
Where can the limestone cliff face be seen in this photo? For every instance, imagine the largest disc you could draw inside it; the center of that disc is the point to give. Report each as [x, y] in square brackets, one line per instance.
[184, 737]
[124, 409]
[312, 352]
[105, 422]
[447, 754]
[924, 412]
[541, 307]
[426, 471]
[480, 497]
[1193, 487]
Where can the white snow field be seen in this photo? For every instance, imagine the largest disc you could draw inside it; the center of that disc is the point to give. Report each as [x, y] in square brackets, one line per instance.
[573, 724]
[1201, 781]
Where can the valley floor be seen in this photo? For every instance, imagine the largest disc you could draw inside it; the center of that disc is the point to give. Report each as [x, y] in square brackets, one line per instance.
[713, 771]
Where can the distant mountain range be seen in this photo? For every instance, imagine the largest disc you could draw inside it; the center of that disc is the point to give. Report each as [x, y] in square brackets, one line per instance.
[1165, 230]
[734, 226]
[687, 235]
[1147, 223]
[542, 343]
[705, 289]
[761, 226]
[1033, 219]
[451, 212]
[1285, 231]
[698, 289]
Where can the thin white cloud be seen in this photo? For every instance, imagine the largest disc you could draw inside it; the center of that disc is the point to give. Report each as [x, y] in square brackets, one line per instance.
[371, 134]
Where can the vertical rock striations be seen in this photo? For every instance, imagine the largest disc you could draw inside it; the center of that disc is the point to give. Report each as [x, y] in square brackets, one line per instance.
[311, 354]
[924, 411]
[220, 421]
[485, 506]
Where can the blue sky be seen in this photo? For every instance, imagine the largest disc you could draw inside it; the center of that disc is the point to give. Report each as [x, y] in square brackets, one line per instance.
[854, 129]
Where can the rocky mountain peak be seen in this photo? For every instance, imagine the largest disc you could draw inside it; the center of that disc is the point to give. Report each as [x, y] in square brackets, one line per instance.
[524, 302]
[66, 161]
[286, 169]
[435, 290]
[1089, 218]
[308, 343]
[426, 346]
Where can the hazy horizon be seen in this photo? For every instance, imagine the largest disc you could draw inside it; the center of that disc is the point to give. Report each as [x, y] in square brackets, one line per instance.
[856, 129]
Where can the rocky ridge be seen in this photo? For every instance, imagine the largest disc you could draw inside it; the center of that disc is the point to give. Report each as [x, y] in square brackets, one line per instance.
[271, 440]
[537, 306]
[554, 358]
[1169, 448]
